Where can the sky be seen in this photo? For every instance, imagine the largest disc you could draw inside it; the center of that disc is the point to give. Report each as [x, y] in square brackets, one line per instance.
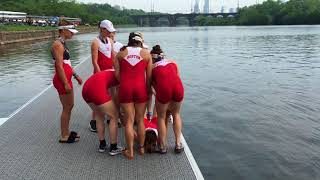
[174, 6]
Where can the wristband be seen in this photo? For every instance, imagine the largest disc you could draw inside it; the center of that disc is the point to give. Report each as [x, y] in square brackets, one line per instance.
[75, 75]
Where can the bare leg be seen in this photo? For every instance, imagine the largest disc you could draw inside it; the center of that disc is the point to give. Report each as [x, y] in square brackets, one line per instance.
[140, 110]
[100, 124]
[177, 122]
[162, 110]
[128, 109]
[149, 106]
[67, 105]
[111, 110]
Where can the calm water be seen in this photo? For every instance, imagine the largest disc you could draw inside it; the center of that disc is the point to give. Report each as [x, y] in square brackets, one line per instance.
[252, 94]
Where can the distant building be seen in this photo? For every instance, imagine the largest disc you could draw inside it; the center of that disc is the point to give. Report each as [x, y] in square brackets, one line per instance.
[231, 10]
[222, 9]
[10, 15]
[206, 7]
[196, 8]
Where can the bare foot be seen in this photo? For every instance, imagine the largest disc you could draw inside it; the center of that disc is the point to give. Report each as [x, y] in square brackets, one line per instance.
[126, 154]
[141, 151]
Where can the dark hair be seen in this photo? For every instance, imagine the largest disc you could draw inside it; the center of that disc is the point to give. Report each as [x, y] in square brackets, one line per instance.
[156, 50]
[134, 42]
[150, 141]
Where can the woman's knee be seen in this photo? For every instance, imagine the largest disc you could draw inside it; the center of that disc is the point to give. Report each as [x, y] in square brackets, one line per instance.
[68, 107]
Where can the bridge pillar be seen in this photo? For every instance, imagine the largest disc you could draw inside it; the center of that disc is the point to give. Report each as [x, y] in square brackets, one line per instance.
[172, 20]
[140, 22]
[153, 22]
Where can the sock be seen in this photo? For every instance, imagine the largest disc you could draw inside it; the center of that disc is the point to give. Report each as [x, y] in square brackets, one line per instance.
[113, 146]
[103, 143]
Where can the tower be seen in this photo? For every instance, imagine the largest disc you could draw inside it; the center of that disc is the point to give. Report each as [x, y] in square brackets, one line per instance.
[196, 7]
[206, 7]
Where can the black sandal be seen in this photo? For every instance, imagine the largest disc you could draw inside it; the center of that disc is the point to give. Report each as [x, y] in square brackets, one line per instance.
[179, 148]
[73, 137]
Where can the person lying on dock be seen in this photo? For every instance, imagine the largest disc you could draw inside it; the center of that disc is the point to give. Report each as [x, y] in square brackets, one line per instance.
[169, 95]
[96, 93]
[62, 79]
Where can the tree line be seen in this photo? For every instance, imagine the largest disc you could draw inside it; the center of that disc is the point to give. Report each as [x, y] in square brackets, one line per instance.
[89, 13]
[270, 12]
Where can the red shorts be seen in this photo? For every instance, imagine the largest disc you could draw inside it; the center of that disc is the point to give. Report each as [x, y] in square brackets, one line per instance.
[95, 90]
[134, 92]
[165, 94]
[58, 84]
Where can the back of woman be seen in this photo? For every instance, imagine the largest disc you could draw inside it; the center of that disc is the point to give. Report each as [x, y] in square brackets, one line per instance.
[167, 82]
[133, 87]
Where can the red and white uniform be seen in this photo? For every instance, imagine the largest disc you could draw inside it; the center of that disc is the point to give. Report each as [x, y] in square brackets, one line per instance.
[95, 89]
[117, 46]
[151, 125]
[167, 83]
[105, 54]
[133, 88]
[57, 82]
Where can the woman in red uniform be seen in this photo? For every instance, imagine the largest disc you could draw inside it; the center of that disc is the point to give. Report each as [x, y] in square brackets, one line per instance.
[62, 79]
[102, 53]
[95, 93]
[133, 69]
[169, 95]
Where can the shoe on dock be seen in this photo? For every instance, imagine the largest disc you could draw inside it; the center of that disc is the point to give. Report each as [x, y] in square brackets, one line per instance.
[114, 152]
[93, 126]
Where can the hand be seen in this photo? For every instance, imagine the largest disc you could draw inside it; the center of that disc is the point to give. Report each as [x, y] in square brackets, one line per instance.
[79, 80]
[67, 88]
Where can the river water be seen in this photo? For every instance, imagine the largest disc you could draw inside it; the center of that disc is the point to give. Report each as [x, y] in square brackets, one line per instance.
[252, 102]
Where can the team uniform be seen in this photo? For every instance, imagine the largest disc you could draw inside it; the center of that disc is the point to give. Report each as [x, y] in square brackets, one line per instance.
[117, 46]
[95, 89]
[133, 88]
[57, 82]
[167, 83]
[105, 54]
[151, 125]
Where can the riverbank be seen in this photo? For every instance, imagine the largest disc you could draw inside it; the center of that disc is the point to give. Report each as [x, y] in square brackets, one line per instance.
[12, 37]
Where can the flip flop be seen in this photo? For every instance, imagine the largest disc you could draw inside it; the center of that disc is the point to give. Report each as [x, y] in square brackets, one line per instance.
[73, 137]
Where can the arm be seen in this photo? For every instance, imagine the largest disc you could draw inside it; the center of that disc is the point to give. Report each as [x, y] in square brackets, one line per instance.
[149, 70]
[116, 65]
[58, 50]
[94, 56]
[178, 72]
[77, 77]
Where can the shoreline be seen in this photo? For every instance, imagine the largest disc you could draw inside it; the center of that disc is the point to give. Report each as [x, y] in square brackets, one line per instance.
[12, 37]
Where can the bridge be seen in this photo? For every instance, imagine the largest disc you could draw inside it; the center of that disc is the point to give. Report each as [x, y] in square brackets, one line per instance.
[153, 19]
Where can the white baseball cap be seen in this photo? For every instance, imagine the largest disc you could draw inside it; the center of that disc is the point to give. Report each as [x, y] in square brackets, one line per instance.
[108, 25]
[70, 28]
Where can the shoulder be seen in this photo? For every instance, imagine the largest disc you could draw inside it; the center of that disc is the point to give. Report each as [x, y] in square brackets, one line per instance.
[57, 45]
[145, 53]
[95, 42]
[122, 53]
